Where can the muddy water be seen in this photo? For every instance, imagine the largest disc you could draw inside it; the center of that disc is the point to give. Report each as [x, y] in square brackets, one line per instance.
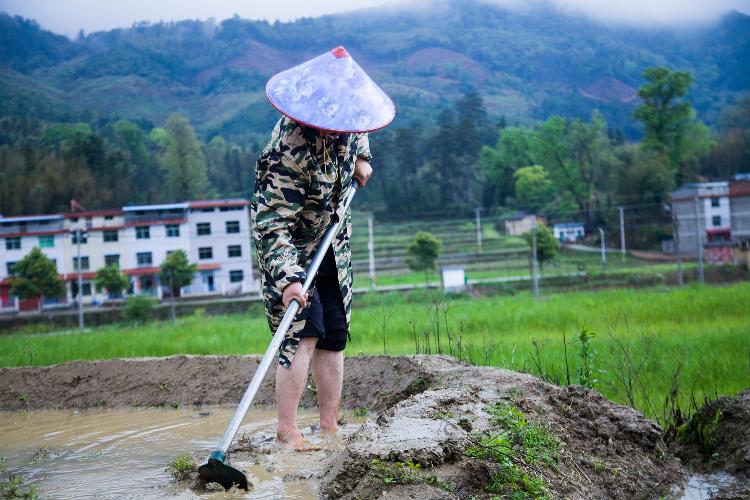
[123, 453]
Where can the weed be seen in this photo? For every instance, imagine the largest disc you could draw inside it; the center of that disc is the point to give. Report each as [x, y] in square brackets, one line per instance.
[175, 405]
[405, 473]
[361, 412]
[41, 455]
[24, 396]
[166, 387]
[518, 443]
[182, 466]
[587, 356]
[598, 464]
[15, 487]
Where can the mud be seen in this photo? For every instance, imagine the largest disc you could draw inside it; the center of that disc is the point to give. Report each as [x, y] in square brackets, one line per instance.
[424, 414]
[715, 442]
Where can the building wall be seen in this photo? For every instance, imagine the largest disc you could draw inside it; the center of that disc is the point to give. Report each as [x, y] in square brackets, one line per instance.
[741, 216]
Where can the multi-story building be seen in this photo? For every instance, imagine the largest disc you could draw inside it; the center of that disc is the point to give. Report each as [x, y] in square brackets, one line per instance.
[214, 234]
[711, 217]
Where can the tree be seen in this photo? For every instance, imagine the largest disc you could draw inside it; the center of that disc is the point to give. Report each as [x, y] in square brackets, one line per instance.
[112, 280]
[533, 187]
[669, 120]
[36, 277]
[546, 244]
[513, 150]
[183, 162]
[176, 272]
[422, 252]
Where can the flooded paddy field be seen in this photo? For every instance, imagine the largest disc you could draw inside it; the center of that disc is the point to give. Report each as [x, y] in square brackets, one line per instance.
[124, 453]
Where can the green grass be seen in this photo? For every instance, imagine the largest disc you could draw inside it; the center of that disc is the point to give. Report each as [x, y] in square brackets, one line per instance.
[703, 329]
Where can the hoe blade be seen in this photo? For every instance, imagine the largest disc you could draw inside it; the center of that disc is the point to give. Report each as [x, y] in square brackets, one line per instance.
[216, 471]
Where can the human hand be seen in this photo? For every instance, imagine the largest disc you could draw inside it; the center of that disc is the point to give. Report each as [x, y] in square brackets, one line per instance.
[362, 171]
[293, 291]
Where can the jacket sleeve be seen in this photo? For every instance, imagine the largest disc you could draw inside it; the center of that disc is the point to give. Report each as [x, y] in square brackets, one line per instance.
[279, 202]
[363, 146]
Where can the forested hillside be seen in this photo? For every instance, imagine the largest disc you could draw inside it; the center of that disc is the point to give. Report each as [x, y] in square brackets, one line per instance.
[481, 92]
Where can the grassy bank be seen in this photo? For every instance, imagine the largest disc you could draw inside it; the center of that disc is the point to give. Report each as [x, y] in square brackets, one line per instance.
[643, 338]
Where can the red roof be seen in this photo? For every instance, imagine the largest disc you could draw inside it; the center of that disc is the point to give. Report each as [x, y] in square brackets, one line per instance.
[93, 213]
[141, 271]
[209, 267]
[34, 233]
[74, 276]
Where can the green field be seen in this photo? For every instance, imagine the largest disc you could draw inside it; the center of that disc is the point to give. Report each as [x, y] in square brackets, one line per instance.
[703, 330]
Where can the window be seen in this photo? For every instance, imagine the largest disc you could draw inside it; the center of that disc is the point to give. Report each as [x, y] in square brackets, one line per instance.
[109, 217]
[211, 209]
[233, 226]
[13, 243]
[144, 259]
[84, 263]
[9, 268]
[204, 228]
[716, 220]
[236, 276]
[46, 241]
[715, 202]
[234, 250]
[87, 288]
[173, 230]
[84, 237]
[110, 236]
[112, 260]
[205, 253]
[142, 233]
[231, 209]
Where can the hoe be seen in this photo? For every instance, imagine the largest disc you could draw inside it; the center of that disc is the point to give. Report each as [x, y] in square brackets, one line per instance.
[217, 470]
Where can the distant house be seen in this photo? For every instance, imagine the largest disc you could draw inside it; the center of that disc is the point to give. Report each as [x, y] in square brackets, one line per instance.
[566, 232]
[215, 234]
[714, 216]
[521, 223]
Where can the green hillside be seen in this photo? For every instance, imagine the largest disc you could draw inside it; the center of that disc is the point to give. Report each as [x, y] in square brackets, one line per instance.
[526, 66]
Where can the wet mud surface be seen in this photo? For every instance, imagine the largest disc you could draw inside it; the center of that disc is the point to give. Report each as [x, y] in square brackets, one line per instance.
[427, 430]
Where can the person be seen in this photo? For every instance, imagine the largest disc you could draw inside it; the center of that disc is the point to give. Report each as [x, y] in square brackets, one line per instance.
[318, 146]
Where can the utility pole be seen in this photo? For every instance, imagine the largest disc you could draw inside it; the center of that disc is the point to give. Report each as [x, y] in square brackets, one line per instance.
[371, 251]
[604, 250]
[534, 261]
[676, 247]
[698, 239]
[479, 229]
[79, 234]
[622, 231]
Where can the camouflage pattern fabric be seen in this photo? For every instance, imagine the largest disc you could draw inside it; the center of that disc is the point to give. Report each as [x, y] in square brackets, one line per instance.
[297, 195]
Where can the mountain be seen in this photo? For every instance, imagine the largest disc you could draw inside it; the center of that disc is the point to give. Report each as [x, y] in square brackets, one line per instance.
[527, 65]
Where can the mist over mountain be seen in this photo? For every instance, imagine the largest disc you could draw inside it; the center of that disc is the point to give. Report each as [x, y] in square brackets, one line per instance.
[526, 64]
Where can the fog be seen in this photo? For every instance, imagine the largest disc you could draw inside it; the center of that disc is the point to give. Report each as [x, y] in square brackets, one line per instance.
[70, 16]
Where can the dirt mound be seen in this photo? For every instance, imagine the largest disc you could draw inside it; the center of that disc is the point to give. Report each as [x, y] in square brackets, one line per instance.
[437, 428]
[181, 380]
[717, 437]
[482, 431]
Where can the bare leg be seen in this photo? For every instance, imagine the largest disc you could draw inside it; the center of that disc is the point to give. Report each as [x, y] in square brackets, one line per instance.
[328, 374]
[290, 383]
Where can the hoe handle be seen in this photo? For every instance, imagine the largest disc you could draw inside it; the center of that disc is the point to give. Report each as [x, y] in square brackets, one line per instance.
[278, 337]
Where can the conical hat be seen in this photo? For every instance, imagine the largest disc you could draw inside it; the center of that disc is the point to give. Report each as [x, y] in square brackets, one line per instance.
[331, 92]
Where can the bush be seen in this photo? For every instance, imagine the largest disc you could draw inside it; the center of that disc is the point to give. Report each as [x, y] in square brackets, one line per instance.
[139, 308]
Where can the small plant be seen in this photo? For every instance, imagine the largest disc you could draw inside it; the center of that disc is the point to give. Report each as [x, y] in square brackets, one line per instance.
[41, 455]
[181, 467]
[587, 357]
[518, 443]
[139, 308]
[15, 487]
[360, 412]
[422, 252]
[408, 472]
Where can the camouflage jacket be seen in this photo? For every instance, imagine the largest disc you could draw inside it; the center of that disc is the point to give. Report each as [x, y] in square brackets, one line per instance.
[297, 193]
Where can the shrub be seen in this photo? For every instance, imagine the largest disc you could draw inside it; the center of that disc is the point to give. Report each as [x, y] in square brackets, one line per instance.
[139, 308]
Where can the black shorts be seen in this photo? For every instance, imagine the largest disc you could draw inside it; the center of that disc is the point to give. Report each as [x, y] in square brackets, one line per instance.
[325, 316]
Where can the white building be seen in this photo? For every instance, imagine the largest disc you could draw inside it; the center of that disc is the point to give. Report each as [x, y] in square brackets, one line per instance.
[215, 234]
[566, 232]
[702, 213]
[522, 223]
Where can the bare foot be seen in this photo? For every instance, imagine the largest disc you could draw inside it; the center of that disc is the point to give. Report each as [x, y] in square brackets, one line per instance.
[329, 429]
[295, 441]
